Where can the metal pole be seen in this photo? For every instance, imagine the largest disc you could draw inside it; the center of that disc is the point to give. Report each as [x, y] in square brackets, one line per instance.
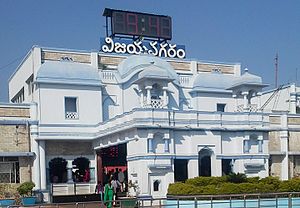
[244, 201]
[196, 203]
[211, 202]
[258, 202]
[159, 202]
[276, 201]
[230, 202]
[290, 201]
[177, 202]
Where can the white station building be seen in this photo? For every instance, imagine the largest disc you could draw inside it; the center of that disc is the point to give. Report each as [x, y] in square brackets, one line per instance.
[159, 120]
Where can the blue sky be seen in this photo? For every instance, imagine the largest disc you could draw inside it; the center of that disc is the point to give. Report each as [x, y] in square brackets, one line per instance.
[247, 32]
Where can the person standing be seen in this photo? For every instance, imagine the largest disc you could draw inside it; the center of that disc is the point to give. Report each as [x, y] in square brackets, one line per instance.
[121, 178]
[99, 190]
[108, 194]
[115, 184]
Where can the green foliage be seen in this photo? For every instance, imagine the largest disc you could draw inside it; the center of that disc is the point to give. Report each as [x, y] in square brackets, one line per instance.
[233, 184]
[237, 178]
[252, 180]
[205, 181]
[25, 188]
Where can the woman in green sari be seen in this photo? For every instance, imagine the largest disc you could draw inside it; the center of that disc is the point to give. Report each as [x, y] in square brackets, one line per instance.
[108, 194]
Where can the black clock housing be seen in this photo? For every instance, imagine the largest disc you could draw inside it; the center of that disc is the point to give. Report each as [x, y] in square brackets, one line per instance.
[139, 24]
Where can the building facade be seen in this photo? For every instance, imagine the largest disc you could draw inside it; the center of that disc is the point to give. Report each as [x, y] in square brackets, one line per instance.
[16, 157]
[158, 120]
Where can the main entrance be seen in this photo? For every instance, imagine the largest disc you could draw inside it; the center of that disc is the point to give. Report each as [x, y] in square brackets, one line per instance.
[112, 163]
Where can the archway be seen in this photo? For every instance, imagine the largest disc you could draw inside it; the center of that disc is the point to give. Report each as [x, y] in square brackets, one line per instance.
[204, 162]
[81, 169]
[58, 170]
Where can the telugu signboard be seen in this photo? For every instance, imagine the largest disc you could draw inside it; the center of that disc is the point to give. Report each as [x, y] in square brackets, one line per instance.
[137, 47]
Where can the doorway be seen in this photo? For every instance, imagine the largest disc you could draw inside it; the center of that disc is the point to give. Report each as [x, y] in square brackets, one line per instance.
[180, 170]
[112, 163]
[204, 162]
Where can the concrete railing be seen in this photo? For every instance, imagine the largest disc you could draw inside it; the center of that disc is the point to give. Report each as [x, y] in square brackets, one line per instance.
[143, 117]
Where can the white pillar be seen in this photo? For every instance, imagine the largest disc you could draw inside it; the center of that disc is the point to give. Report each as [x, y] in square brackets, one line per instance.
[94, 60]
[165, 97]
[246, 146]
[260, 146]
[148, 88]
[36, 162]
[284, 148]
[42, 164]
[245, 94]
[142, 98]
[69, 171]
[150, 145]
[35, 146]
[293, 97]
[193, 168]
[166, 146]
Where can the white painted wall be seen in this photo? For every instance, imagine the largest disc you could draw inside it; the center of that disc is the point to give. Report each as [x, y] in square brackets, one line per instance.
[52, 106]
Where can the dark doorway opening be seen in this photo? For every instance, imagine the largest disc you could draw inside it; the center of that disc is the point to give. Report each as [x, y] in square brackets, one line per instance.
[180, 170]
[81, 169]
[112, 163]
[204, 162]
[226, 166]
[58, 170]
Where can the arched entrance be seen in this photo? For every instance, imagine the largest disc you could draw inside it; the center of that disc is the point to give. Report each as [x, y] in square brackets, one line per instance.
[58, 170]
[81, 169]
[204, 162]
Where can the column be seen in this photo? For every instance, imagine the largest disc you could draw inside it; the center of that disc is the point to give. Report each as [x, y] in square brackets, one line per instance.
[260, 146]
[236, 101]
[193, 168]
[293, 98]
[148, 88]
[42, 164]
[69, 169]
[284, 148]
[245, 94]
[150, 145]
[35, 146]
[259, 100]
[165, 97]
[36, 162]
[166, 147]
[246, 146]
[142, 98]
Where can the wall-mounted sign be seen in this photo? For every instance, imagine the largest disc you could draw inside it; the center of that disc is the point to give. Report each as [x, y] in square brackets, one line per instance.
[155, 48]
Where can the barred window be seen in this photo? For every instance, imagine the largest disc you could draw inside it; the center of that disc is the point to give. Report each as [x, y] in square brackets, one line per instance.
[71, 108]
[9, 170]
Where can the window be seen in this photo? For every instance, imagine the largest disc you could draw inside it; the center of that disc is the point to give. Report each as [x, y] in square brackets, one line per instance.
[156, 185]
[71, 108]
[9, 170]
[19, 97]
[221, 107]
[30, 85]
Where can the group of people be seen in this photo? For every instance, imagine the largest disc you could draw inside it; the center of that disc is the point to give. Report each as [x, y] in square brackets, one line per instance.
[114, 183]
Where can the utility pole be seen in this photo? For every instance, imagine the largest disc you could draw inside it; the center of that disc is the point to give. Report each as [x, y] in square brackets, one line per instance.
[276, 70]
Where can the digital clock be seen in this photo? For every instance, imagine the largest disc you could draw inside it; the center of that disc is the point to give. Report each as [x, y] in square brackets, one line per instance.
[139, 24]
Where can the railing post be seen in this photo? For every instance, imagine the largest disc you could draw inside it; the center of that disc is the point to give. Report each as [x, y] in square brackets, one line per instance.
[195, 201]
[258, 201]
[244, 201]
[159, 203]
[276, 201]
[177, 202]
[290, 205]
[230, 202]
[211, 202]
